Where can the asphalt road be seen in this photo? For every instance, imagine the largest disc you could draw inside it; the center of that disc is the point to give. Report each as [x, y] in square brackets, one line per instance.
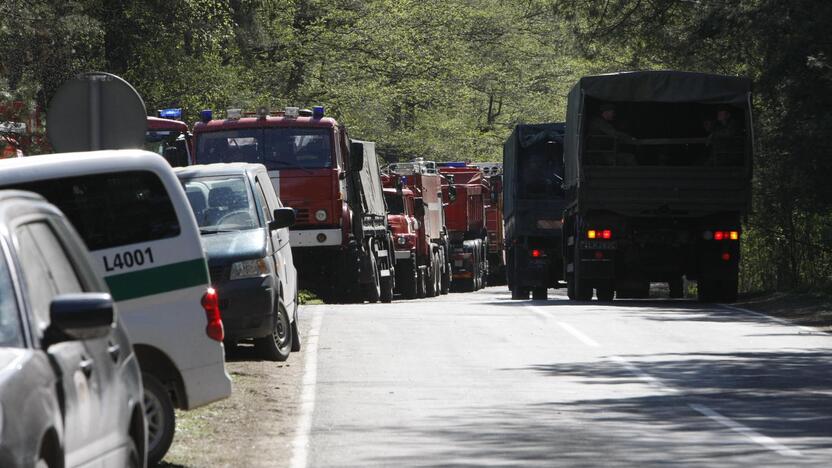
[478, 379]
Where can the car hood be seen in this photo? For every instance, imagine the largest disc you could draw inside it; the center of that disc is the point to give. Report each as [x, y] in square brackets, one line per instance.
[225, 247]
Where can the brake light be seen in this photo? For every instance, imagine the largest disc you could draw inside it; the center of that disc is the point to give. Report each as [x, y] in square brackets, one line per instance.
[591, 234]
[606, 234]
[719, 235]
[211, 304]
[536, 253]
[726, 256]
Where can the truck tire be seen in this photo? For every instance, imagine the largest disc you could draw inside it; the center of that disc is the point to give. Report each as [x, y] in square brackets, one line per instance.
[540, 293]
[583, 288]
[386, 284]
[728, 290]
[605, 292]
[446, 273]
[373, 290]
[421, 283]
[706, 290]
[438, 273]
[432, 277]
[570, 287]
[408, 279]
[676, 289]
[161, 420]
[520, 294]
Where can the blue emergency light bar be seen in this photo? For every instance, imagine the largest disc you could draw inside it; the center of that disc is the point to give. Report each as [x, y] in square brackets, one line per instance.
[206, 115]
[173, 113]
[452, 164]
[318, 112]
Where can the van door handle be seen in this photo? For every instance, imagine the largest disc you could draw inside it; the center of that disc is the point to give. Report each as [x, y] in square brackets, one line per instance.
[86, 366]
[114, 351]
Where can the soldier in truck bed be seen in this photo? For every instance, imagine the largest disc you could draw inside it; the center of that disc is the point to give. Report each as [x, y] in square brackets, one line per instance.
[726, 139]
[603, 125]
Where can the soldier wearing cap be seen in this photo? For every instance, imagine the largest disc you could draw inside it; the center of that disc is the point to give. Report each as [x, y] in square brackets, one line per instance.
[603, 125]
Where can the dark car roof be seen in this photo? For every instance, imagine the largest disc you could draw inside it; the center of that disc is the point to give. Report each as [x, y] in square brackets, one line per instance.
[202, 170]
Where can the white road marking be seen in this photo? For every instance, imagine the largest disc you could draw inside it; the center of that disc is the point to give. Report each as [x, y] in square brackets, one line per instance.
[579, 335]
[654, 382]
[300, 445]
[774, 319]
[749, 433]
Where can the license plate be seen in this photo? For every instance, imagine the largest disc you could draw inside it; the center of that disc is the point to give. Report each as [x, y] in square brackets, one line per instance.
[598, 245]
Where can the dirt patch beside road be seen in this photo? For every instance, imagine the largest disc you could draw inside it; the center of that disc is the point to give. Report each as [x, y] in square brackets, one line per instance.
[255, 426]
[811, 309]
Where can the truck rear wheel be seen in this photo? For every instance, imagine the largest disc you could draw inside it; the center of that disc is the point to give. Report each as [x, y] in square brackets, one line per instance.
[386, 284]
[605, 292]
[520, 294]
[421, 282]
[407, 279]
[446, 273]
[431, 289]
[540, 293]
[676, 288]
[373, 290]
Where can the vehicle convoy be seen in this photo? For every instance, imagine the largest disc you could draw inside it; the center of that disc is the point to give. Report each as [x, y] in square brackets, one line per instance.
[133, 215]
[246, 238]
[662, 194]
[70, 384]
[465, 219]
[417, 221]
[169, 137]
[493, 172]
[340, 239]
[533, 203]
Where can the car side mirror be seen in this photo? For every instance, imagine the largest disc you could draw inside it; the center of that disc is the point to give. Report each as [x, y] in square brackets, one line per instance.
[356, 156]
[283, 218]
[84, 316]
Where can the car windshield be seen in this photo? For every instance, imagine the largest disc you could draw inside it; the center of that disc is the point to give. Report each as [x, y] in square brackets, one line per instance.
[395, 203]
[276, 147]
[10, 333]
[221, 204]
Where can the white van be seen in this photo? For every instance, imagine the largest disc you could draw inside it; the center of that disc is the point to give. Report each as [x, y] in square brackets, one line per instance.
[131, 211]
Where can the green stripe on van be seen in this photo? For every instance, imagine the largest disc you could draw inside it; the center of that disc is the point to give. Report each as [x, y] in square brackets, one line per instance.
[158, 280]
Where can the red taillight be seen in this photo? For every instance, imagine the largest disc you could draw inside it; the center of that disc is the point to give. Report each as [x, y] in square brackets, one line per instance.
[599, 255]
[211, 304]
[719, 235]
[536, 253]
[606, 234]
[726, 256]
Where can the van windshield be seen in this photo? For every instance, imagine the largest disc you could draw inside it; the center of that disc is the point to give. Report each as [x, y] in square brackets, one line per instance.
[111, 210]
[395, 203]
[276, 147]
[221, 204]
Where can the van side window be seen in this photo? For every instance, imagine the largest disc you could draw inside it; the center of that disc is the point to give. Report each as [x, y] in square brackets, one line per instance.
[46, 268]
[115, 209]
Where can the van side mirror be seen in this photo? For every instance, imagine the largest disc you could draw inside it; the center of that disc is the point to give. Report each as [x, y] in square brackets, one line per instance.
[283, 218]
[84, 316]
[452, 193]
[356, 156]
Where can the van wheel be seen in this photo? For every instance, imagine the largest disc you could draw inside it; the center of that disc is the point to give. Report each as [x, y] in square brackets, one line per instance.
[277, 345]
[161, 420]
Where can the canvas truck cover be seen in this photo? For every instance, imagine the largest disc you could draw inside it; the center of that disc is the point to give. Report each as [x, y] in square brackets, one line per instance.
[520, 142]
[371, 188]
[646, 86]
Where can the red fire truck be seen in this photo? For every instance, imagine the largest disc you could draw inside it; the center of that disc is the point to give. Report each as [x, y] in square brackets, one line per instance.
[170, 137]
[494, 221]
[414, 198]
[465, 218]
[340, 239]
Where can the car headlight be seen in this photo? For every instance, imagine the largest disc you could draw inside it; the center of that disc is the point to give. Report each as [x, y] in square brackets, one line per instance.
[320, 215]
[402, 240]
[250, 268]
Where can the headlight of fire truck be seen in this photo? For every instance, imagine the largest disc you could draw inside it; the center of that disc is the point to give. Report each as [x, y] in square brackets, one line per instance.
[320, 215]
[250, 268]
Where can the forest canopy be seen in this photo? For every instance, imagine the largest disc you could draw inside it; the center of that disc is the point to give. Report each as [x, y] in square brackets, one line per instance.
[448, 79]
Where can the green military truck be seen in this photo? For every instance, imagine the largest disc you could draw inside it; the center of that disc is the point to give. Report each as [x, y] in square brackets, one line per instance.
[657, 181]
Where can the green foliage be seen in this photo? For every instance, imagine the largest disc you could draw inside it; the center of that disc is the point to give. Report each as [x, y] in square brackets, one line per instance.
[447, 80]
